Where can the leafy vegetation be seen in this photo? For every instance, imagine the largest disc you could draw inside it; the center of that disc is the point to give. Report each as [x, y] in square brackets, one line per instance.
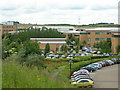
[17, 76]
[47, 48]
[105, 46]
[35, 33]
[118, 49]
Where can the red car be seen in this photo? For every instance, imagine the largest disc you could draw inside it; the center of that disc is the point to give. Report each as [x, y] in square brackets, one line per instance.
[103, 63]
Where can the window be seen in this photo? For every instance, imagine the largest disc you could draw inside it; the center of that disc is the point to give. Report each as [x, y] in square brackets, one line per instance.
[108, 33]
[76, 34]
[89, 45]
[89, 39]
[108, 38]
[88, 32]
[96, 38]
[97, 33]
[83, 33]
[102, 33]
[101, 38]
[69, 36]
[116, 36]
[84, 81]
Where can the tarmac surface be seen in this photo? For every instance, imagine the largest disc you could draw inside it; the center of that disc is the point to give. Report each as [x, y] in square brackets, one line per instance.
[107, 77]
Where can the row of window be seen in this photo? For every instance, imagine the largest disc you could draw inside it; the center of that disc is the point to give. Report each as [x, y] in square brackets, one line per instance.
[7, 26]
[97, 33]
[99, 39]
[116, 36]
[102, 33]
[7, 30]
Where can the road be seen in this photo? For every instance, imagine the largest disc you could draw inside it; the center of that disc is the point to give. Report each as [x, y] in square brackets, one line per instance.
[106, 77]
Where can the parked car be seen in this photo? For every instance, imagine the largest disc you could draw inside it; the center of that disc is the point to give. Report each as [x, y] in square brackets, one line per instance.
[107, 63]
[111, 62]
[114, 60]
[82, 54]
[84, 71]
[63, 56]
[69, 57]
[118, 60]
[77, 54]
[90, 69]
[85, 83]
[93, 66]
[99, 66]
[77, 77]
[48, 57]
[102, 63]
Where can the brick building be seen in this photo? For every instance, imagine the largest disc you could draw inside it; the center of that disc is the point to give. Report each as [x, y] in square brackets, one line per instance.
[7, 28]
[97, 34]
[53, 42]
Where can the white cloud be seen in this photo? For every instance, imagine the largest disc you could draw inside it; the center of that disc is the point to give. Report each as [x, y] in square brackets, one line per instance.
[57, 11]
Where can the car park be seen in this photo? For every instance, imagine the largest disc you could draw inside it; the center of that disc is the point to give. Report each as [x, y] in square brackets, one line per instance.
[81, 78]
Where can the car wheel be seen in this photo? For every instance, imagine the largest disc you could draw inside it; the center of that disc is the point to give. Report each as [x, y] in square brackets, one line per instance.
[90, 86]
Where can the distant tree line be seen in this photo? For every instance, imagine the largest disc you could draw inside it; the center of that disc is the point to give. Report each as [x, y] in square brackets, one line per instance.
[34, 33]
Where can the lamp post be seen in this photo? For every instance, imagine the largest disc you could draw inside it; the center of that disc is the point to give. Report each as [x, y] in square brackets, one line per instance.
[70, 62]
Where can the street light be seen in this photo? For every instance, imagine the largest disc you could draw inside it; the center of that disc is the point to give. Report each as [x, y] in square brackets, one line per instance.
[70, 62]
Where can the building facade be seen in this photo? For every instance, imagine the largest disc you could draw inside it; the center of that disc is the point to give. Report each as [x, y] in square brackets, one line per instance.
[92, 36]
[53, 42]
[7, 28]
[115, 40]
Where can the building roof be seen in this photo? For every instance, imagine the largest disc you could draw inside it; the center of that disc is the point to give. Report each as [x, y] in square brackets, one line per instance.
[52, 42]
[47, 38]
[103, 29]
[76, 32]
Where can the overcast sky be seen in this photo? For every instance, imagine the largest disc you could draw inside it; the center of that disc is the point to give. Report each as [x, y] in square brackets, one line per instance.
[59, 11]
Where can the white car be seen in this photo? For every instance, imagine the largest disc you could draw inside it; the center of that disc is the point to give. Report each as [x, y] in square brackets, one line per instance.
[83, 71]
[49, 57]
[99, 66]
[70, 57]
[82, 54]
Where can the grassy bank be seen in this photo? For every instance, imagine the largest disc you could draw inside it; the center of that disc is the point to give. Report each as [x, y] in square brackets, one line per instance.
[17, 76]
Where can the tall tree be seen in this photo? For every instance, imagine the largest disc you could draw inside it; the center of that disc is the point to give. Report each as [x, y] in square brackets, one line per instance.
[31, 47]
[118, 49]
[47, 48]
[84, 43]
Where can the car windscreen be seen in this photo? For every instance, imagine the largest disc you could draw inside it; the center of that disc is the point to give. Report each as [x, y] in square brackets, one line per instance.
[84, 81]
